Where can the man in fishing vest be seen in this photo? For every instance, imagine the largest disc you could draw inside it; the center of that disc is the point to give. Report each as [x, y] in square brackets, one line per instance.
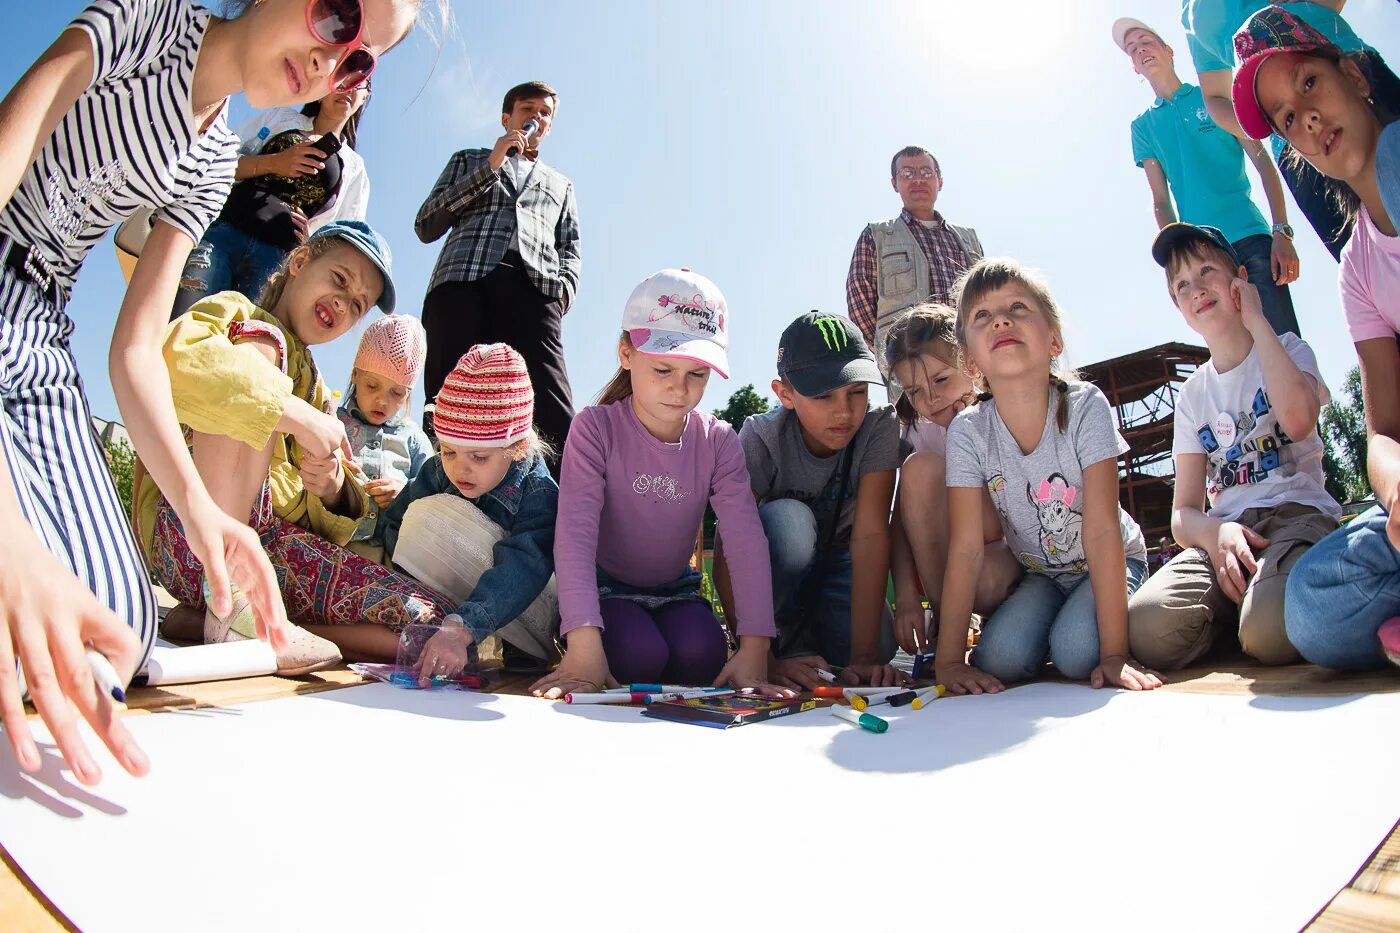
[915, 257]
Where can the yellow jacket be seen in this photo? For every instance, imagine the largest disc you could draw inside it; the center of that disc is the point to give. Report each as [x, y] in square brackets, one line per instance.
[221, 387]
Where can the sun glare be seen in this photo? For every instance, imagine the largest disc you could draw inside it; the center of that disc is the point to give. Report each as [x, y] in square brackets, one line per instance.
[997, 41]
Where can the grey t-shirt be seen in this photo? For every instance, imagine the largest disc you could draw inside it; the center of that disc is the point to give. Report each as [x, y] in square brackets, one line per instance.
[1039, 495]
[781, 466]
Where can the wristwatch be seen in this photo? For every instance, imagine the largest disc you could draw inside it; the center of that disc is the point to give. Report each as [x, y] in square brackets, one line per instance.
[1285, 229]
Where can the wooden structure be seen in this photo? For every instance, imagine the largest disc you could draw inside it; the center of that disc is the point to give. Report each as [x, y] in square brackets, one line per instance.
[1142, 389]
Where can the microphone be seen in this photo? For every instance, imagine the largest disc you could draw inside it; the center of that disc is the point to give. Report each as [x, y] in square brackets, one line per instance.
[531, 126]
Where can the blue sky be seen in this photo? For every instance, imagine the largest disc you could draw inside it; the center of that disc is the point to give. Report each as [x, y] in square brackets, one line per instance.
[751, 142]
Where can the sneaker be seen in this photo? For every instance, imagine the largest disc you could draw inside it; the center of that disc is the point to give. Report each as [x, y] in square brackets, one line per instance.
[304, 654]
[1390, 639]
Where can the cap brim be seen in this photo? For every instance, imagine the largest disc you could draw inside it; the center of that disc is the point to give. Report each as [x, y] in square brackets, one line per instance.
[665, 343]
[1247, 110]
[821, 379]
[1172, 234]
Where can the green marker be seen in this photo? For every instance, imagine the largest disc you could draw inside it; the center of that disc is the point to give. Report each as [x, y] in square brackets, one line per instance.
[864, 720]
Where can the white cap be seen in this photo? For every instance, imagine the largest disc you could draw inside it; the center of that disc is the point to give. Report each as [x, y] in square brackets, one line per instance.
[679, 313]
[1126, 24]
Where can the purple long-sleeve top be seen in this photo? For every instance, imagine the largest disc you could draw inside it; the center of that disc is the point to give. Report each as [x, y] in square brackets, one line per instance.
[632, 505]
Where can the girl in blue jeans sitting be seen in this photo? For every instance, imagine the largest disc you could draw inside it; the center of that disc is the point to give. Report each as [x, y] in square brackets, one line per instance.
[1046, 450]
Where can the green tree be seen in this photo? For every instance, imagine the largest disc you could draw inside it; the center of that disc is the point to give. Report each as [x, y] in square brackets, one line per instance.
[742, 404]
[121, 463]
[1343, 432]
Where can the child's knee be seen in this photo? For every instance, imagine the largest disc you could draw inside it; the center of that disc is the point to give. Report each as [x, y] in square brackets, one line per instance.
[1262, 633]
[1164, 635]
[266, 347]
[924, 472]
[1009, 657]
[791, 529]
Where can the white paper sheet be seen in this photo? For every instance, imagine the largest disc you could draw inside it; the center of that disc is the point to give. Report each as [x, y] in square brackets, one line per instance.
[1045, 807]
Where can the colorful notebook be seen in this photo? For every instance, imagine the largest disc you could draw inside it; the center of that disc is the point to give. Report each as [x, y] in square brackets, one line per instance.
[723, 712]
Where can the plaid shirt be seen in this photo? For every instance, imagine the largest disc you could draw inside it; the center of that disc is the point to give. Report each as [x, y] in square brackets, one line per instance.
[947, 259]
[482, 208]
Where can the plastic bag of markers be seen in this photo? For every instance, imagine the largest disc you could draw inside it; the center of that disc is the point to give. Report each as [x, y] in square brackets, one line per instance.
[404, 672]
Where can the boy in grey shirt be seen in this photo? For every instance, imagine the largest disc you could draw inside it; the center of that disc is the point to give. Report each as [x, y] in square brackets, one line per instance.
[822, 468]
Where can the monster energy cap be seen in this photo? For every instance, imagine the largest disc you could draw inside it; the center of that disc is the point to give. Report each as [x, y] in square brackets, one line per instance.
[820, 353]
[681, 314]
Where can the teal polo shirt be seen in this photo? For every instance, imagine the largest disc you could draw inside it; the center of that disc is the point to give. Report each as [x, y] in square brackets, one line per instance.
[1204, 164]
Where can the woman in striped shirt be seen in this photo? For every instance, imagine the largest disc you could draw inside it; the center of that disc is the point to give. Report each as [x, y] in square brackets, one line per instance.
[126, 110]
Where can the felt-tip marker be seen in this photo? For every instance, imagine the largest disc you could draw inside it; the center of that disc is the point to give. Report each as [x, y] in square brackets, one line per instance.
[825, 675]
[864, 720]
[875, 699]
[927, 696]
[903, 698]
[688, 694]
[105, 675]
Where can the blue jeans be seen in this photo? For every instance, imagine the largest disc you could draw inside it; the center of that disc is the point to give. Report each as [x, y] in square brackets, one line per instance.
[226, 259]
[1255, 252]
[1039, 620]
[1341, 591]
[812, 591]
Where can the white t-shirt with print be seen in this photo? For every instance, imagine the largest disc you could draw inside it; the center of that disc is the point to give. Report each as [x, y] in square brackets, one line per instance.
[1040, 495]
[1250, 462]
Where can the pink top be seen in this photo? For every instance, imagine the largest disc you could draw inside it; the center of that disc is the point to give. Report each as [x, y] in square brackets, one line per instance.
[1370, 282]
[632, 505]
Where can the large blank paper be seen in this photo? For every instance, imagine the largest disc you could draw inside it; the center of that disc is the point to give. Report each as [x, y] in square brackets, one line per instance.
[1049, 806]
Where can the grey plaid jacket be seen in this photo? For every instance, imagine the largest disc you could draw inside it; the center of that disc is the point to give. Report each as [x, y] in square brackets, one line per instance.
[481, 209]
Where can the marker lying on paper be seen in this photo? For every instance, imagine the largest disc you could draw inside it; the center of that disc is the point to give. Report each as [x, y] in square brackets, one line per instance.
[829, 693]
[106, 675]
[927, 696]
[651, 688]
[875, 699]
[688, 694]
[600, 698]
[864, 720]
[903, 698]
[849, 692]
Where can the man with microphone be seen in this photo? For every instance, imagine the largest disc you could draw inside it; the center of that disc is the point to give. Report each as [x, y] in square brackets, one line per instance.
[510, 268]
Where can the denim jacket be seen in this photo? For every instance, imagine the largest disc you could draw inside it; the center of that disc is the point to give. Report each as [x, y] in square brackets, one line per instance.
[525, 505]
[397, 449]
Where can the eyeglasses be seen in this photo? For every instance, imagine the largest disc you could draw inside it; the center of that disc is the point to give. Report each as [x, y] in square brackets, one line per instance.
[909, 174]
[341, 23]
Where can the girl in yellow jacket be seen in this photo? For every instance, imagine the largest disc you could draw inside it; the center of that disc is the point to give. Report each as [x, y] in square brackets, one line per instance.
[267, 446]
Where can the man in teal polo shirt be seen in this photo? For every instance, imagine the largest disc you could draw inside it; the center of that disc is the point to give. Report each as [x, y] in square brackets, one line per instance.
[1190, 159]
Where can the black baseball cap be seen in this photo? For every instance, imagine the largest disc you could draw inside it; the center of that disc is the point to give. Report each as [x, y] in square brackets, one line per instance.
[1174, 233]
[819, 353]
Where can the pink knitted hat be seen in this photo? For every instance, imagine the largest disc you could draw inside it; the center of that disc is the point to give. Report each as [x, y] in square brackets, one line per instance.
[393, 347]
[487, 399]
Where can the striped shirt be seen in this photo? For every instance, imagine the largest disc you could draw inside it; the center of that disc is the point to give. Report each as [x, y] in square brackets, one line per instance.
[130, 140]
[947, 259]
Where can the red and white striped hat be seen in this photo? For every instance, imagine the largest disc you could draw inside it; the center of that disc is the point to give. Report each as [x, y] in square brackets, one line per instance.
[487, 399]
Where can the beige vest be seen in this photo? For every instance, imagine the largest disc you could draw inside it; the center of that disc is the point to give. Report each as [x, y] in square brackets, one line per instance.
[902, 277]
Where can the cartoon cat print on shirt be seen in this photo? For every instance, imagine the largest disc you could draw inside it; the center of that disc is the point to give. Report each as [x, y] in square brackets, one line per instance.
[1060, 526]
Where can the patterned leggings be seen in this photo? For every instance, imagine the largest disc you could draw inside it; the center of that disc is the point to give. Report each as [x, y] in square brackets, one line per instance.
[321, 583]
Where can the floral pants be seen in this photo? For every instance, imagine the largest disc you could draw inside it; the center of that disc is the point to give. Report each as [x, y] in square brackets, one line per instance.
[321, 582]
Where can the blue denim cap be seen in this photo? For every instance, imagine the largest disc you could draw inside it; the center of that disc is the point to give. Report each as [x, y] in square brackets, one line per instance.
[364, 238]
[1173, 233]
